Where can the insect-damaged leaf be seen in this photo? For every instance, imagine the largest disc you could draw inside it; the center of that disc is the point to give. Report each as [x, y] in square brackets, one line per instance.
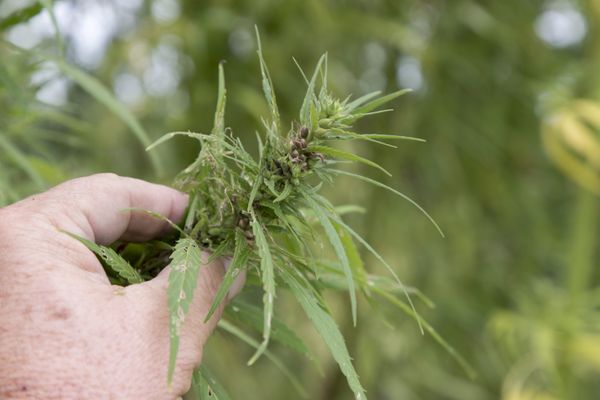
[268, 280]
[112, 259]
[185, 264]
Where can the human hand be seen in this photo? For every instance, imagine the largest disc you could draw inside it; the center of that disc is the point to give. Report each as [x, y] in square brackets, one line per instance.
[65, 331]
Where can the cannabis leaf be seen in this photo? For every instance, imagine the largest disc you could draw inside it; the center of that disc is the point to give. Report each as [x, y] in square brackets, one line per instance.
[186, 260]
[112, 259]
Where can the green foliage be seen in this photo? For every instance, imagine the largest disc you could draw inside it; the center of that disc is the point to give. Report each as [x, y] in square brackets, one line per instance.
[515, 281]
[113, 260]
[256, 208]
[206, 386]
[186, 261]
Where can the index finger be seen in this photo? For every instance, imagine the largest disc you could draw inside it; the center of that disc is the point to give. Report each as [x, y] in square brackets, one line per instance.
[98, 207]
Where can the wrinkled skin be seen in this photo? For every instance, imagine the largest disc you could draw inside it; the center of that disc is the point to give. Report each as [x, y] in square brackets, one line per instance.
[65, 331]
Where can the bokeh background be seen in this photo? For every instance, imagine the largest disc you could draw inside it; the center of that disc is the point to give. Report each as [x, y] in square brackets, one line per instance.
[507, 94]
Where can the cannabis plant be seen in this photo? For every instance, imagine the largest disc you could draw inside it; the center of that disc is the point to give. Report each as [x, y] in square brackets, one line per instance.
[266, 214]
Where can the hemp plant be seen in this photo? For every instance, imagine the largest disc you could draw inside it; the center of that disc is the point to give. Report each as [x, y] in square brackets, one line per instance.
[266, 213]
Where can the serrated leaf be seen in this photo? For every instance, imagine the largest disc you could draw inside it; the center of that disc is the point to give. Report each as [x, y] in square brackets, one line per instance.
[112, 259]
[326, 327]
[338, 247]
[156, 215]
[240, 258]
[186, 260]
[344, 155]
[268, 280]
[386, 187]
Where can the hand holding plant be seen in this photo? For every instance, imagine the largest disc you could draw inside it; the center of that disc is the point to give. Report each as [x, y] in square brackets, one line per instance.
[66, 331]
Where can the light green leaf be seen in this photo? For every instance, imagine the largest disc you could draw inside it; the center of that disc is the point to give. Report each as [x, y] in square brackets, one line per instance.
[344, 155]
[238, 263]
[373, 104]
[198, 136]
[338, 246]
[268, 279]
[219, 124]
[20, 16]
[185, 265]
[354, 259]
[112, 259]
[207, 386]
[361, 100]
[382, 260]
[287, 190]
[326, 326]
[306, 103]
[266, 82]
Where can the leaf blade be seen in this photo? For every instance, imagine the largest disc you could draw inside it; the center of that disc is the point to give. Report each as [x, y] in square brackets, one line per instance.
[186, 260]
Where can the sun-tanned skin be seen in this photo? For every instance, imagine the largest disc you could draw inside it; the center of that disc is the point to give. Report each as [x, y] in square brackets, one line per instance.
[65, 331]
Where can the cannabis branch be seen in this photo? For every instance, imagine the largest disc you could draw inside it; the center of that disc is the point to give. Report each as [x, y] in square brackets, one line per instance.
[265, 214]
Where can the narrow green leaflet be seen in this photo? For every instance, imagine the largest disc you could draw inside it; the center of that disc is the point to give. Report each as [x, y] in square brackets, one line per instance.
[20, 16]
[252, 315]
[112, 259]
[306, 103]
[238, 263]
[373, 104]
[327, 328]
[361, 100]
[267, 83]
[344, 155]
[206, 386]
[382, 260]
[185, 265]
[386, 187]
[268, 279]
[96, 89]
[198, 136]
[356, 263]
[219, 125]
[200, 387]
[338, 246]
[235, 331]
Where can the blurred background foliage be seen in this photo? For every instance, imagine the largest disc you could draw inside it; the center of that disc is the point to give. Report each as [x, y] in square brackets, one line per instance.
[507, 94]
